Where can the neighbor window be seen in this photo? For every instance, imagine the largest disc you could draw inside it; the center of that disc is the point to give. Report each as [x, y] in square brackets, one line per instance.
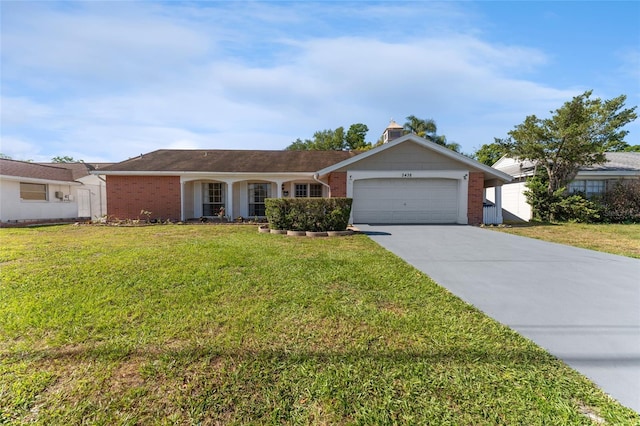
[304, 190]
[257, 194]
[588, 187]
[213, 199]
[33, 191]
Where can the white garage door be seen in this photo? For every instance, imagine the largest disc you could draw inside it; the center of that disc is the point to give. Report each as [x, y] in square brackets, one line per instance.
[405, 201]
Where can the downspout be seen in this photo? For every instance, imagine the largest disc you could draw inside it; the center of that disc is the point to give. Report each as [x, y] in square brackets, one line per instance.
[100, 194]
[316, 177]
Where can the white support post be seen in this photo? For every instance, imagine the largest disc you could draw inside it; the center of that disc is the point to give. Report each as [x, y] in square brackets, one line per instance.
[498, 193]
[228, 209]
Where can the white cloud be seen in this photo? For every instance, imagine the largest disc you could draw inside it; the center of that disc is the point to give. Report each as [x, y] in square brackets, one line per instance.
[114, 80]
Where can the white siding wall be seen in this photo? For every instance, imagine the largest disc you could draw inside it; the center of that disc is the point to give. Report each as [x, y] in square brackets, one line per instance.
[513, 200]
[12, 208]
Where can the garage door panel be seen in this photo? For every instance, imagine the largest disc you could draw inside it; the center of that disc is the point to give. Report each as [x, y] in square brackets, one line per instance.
[405, 201]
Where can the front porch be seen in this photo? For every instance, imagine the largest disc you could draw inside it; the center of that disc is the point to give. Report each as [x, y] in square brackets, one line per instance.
[231, 198]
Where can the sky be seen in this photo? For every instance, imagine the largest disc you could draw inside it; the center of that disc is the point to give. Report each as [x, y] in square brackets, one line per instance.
[103, 81]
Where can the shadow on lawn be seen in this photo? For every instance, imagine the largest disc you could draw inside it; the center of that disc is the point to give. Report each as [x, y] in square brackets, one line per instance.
[190, 353]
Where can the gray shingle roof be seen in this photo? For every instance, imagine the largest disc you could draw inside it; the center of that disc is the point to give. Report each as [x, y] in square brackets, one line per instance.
[230, 161]
[618, 161]
[34, 170]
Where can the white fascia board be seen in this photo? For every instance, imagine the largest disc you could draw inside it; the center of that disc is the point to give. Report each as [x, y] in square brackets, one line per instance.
[607, 173]
[35, 180]
[132, 173]
[426, 144]
[186, 176]
[190, 173]
[238, 177]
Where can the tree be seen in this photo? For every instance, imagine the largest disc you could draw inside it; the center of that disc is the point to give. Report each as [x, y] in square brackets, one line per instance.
[426, 128]
[337, 140]
[65, 159]
[577, 134]
[488, 153]
[5, 156]
[355, 139]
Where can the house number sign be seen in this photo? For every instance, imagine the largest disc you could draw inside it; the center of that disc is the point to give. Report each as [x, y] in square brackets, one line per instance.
[406, 175]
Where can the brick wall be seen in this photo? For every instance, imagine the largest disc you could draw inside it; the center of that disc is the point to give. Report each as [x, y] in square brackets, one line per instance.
[127, 195]
[338, 184]
[475, 198]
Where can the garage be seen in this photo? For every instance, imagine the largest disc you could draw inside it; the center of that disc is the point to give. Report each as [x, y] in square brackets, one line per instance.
[417, 200]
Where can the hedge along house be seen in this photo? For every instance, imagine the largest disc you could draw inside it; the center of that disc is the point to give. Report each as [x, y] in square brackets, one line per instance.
[405, 180]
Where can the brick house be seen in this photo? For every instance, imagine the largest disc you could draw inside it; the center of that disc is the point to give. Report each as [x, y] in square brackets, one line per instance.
[408, 179]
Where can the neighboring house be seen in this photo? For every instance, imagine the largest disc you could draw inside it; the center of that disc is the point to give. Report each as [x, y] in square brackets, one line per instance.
[39, 192]
[593, 180]
[407, 180]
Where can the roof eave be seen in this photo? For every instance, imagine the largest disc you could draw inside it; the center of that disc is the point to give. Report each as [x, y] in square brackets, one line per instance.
[496, 174]
[27, 179]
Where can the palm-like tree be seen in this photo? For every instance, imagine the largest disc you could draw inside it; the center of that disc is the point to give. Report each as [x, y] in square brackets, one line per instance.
[426, 128]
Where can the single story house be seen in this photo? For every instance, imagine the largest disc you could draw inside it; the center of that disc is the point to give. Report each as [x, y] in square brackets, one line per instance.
[591, 180]
[406, 180]
[49, 192]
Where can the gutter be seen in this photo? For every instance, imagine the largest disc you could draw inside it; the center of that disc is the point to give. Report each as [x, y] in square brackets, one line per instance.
[316, 177]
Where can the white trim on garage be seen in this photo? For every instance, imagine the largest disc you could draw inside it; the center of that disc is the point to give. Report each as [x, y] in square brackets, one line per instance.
[435, 177]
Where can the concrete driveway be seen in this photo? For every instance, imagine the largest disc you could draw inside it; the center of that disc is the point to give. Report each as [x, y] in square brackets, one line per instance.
[581, 305]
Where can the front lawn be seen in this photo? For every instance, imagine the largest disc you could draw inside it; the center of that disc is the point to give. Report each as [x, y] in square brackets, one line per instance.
[222, 325]
[610, 238]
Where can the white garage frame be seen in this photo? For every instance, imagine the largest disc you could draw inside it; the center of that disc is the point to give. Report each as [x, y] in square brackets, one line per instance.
[460, 175]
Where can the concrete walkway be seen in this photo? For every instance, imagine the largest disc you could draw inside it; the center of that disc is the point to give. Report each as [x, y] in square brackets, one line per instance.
[582, 306]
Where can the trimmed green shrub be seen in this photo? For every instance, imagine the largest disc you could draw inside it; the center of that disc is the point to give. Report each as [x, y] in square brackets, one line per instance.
[277, 211]
[308, 214]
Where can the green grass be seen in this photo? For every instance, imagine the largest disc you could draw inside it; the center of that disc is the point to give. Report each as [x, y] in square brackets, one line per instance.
[223, 325]
[618, 239]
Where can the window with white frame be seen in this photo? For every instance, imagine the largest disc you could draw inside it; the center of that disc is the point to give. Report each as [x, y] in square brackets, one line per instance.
[304, 190]
[257, 194]
[213, 199]
[301, 190]
[33, 191]
[588, 187]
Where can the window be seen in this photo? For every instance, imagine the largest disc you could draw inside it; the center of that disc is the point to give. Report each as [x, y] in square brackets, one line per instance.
[588, 187]
[304, 190]
[301, 190]
[212, 199]
[33, 191]
[257, 193]
[315, 190]
[595, 187]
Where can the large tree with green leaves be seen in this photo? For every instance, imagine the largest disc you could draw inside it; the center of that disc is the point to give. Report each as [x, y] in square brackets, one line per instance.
[489, 153]
[338, 140]
[577, 134]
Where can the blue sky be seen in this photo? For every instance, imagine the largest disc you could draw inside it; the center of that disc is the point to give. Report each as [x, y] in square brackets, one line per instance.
[105, 81]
